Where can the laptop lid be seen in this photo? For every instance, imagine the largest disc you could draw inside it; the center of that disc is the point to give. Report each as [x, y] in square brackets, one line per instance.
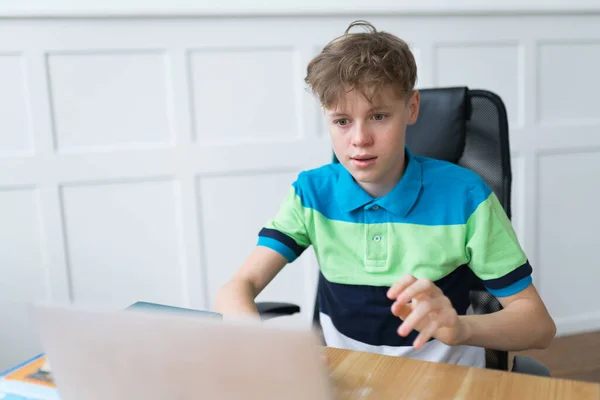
[124, 355]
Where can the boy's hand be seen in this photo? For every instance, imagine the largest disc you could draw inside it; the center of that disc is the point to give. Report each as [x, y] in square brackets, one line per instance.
[424, 307]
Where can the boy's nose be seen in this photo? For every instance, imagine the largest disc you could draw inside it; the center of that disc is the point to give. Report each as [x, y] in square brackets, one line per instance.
[361, 136]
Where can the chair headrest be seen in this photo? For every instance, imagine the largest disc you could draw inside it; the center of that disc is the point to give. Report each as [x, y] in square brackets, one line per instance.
[440, 129]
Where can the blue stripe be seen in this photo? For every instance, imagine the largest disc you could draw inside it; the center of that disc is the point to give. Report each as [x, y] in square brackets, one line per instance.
[449, 195]
[278, 247]
[511, 289]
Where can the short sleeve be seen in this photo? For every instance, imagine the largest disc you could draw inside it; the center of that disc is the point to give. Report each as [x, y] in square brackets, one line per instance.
[286, 232]
[493, 249]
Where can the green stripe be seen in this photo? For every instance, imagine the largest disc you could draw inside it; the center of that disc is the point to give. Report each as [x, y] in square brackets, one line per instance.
[290, 219]
[430, 252]
[492, 244]
[363, 254]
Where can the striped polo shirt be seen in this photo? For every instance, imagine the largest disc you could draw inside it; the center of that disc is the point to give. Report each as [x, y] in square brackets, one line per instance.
[441, 222]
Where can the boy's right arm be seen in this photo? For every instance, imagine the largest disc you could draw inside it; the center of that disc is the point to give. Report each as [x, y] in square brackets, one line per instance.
[280, 241]
[236, 297]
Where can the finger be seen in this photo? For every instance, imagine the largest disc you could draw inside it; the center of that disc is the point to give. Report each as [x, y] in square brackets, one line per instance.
[400, 285]
[426, 334]
[419, 313]
[420, 287]
[401, 310]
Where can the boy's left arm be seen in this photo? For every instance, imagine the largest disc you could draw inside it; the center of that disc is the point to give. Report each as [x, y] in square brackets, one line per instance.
[522, 324]
[496, 257]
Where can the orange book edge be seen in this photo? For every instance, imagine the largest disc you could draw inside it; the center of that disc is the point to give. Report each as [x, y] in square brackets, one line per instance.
[24, 373]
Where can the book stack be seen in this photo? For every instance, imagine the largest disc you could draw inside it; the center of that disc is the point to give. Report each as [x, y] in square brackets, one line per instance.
[31, 380]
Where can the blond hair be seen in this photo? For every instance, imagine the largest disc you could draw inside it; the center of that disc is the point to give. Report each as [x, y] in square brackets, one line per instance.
[365, 61]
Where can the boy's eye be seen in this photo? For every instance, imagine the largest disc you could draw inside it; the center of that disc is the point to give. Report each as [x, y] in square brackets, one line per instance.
[341, 122]
[378, 117]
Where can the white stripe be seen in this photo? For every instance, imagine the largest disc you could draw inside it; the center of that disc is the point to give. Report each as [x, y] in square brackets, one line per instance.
[433, 350]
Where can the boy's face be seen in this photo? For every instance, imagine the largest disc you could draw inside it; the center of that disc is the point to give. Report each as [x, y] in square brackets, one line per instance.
[369, 138]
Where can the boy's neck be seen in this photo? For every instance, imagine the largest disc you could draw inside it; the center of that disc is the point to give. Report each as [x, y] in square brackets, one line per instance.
[380, 189]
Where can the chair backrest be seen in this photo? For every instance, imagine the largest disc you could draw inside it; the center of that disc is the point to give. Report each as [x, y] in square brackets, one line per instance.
[468, 128]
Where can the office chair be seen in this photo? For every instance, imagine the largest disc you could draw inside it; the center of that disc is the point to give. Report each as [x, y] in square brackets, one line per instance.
[469, 128]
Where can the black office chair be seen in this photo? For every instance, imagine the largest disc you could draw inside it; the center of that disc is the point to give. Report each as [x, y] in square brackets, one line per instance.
[468, 128]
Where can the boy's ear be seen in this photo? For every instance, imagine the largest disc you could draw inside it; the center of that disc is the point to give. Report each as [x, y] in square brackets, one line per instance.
[414, 101]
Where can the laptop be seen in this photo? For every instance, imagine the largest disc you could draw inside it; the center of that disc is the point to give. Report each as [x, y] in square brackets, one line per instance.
[134, 354]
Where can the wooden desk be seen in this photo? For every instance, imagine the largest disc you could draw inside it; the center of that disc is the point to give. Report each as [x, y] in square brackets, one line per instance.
[369, 376]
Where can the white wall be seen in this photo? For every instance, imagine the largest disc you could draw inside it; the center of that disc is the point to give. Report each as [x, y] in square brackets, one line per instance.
[76, 8]
[139, 157]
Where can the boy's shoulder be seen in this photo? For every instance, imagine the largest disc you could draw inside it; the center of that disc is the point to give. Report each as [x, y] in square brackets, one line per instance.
[316, 187]
[460, 187]
[449, 193]
[320, 177]
[439, 174]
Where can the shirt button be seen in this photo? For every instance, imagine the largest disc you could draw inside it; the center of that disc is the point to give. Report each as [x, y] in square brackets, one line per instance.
[377, 238]
[375, 207]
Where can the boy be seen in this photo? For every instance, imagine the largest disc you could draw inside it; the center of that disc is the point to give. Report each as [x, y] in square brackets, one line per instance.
[397, 236]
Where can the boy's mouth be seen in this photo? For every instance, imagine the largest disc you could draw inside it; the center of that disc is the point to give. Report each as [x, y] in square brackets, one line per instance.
[364, 158]
[364, 161]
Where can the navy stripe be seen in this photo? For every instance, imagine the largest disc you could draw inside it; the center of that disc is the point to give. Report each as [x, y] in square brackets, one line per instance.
[363, 313]
[283, 238]
[516, 275]
[457, 286]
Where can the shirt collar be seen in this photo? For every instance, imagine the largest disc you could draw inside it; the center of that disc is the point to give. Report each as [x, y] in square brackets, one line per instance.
[400, 200]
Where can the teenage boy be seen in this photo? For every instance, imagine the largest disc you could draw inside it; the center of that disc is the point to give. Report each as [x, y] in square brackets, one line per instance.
[397, 236]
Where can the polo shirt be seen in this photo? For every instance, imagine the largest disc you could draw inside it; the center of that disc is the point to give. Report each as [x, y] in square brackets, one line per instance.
[440, 221]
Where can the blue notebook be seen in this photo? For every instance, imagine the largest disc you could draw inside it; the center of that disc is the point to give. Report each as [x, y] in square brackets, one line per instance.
[145, 306]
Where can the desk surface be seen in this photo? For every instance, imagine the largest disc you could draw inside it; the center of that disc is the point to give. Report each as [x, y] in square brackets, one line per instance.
[370, 376]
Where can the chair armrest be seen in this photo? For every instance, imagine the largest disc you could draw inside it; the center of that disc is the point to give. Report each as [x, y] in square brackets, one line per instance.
[275, 309]
[527, 365]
